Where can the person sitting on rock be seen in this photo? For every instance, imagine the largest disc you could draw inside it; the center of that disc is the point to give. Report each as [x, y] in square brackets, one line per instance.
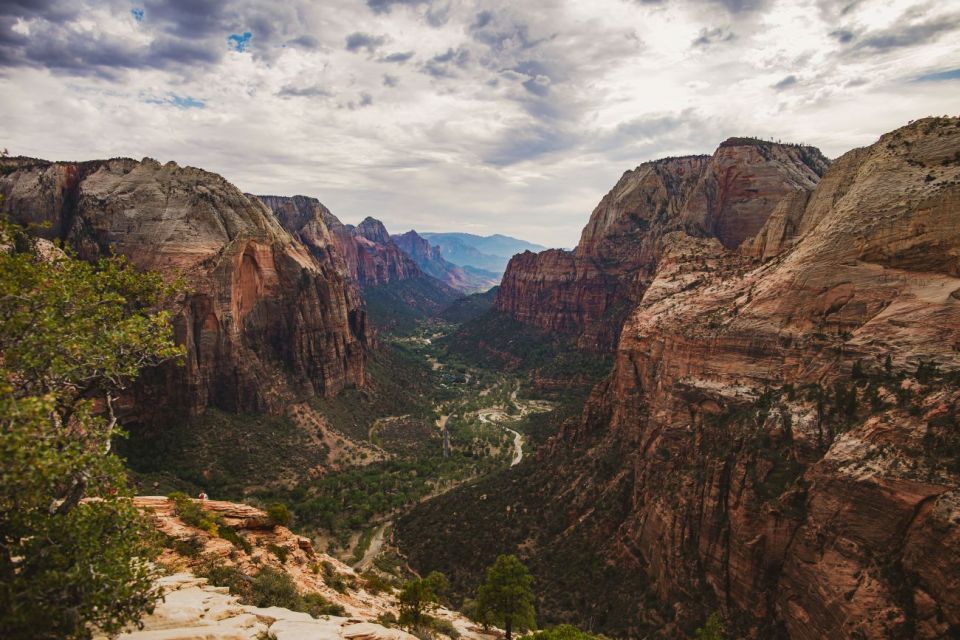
[202, 495]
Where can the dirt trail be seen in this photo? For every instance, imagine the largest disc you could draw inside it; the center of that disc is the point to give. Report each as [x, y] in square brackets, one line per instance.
[376, 544]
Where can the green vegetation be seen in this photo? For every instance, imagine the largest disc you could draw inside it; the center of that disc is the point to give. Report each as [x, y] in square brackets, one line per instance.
[73, 335]
[469, 307]
[279, 514]
[193, 514]
[399, 305]
[563, 632]
[269, 588]
[712, 629]
[506, 598]
[418, 598]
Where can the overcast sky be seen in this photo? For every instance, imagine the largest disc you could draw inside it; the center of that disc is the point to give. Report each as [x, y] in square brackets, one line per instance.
[500, 116]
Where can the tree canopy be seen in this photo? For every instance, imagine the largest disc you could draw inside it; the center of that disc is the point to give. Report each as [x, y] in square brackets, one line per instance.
[506, 598]
[73, 334]
[419, 597]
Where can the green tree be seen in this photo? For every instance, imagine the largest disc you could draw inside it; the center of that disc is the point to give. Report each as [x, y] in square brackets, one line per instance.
[73, 334]
[712, 629]
[564, 632]
[506, 598]
[419, 597]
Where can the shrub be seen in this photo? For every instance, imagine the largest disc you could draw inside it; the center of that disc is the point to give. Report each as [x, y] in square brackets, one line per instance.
[281, 552]
[446, 628]
[563, 632]
[387, 619]
[274, 588]
[194, 515]
[230, 535]
[316, 605]
[375, 583]
[279, 514]
[189, 547]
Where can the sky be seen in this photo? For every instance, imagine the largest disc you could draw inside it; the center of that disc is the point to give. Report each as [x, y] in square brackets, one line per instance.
[478, 116]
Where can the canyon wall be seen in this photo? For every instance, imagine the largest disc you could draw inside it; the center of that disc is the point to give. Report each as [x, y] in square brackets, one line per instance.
[588, 292]
[788, 431]
[263, 318]
[778, 440]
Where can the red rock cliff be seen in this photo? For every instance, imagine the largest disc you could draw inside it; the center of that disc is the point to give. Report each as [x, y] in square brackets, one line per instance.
[367, 253]
[263, 319]
[786, 433]
[587, 293]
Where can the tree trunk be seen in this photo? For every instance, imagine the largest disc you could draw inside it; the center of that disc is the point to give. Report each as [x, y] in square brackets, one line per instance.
[509, 627]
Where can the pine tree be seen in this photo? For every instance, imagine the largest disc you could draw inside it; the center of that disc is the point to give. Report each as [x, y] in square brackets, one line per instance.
[506, 598]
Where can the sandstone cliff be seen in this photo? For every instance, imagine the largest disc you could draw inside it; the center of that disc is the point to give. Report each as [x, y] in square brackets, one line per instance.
[369, 256]
[395, 290]
[588, 292]
[789, 431]
[263, 320]
[778, 440]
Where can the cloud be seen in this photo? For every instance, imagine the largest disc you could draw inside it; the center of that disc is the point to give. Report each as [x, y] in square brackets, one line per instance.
[358, 40]
[384, 6]
[424, 108]
[843, 36]
[787, 82]
[443, 65]
[305, 41]
[137, 14]
[397, 58]
[907, 33]
[311, 91]
[707, 37]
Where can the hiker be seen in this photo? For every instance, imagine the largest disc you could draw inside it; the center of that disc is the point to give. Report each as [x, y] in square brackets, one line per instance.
[202, 495]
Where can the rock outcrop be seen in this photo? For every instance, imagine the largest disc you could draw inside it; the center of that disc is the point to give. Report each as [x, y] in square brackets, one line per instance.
[369, 255]
[588, 292]
[397, 292]
[263, 319]
[430, 259]
[193, 608]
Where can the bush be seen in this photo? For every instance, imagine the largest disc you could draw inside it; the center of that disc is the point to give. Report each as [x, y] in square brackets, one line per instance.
[194, 515]
[387, 619]
[274, 588]
[282, 553]
[563, 632]
[446, 628]
[316, 605]
[188, 548]
[230, 535]
[279, 514]
[375, 583]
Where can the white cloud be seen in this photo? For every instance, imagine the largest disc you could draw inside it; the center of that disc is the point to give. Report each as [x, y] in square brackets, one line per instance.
[497, 117]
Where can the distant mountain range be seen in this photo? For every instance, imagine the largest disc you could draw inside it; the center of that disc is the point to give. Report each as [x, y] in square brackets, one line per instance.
[489, 253]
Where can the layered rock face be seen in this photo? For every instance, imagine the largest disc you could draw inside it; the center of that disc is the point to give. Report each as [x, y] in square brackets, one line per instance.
[430, 259]
[786, 433]
[263, 319]
[729, 196]
[369, 255]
